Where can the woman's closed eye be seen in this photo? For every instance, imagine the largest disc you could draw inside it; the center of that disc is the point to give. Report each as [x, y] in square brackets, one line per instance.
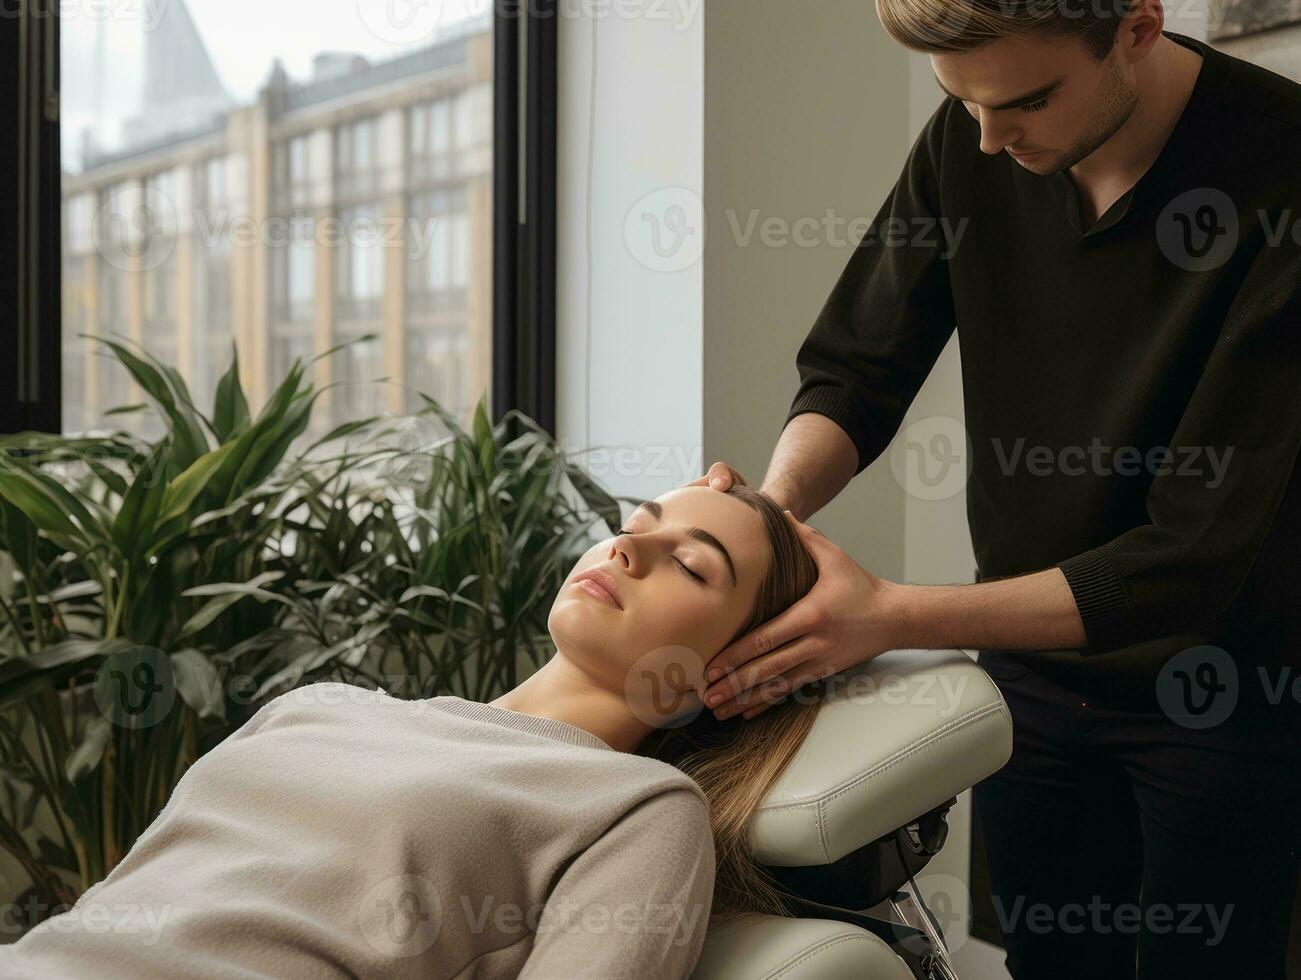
[698, 578]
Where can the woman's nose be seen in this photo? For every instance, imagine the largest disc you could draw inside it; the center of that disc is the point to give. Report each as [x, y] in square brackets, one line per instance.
[620, 550]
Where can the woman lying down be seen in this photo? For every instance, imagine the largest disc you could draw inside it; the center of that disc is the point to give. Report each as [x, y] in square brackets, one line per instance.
[584, 824]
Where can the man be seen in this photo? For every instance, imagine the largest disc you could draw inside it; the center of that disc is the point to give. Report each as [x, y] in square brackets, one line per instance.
[1110, 215]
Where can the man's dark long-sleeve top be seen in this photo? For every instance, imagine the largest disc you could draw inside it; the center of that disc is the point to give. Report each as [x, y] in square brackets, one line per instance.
[1087, 352]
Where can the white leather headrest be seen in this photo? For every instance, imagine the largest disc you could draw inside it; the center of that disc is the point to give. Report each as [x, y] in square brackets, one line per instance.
[895, 737]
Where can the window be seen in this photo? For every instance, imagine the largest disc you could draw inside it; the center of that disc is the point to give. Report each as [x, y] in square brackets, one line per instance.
[360, 274]
[437, 323]
[356, 158]
[160, 267]
[430, 143]
[256, 123]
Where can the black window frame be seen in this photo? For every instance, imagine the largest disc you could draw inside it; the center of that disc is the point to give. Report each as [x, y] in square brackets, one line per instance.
[523, 223]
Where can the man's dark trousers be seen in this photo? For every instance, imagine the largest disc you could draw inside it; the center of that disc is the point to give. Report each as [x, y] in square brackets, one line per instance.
[1123, 842]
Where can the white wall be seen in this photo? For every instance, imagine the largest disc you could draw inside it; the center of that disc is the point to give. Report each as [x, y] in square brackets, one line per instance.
[629, 315]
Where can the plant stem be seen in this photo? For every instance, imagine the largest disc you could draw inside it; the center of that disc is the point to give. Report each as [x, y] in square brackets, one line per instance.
[38, 626]
[17, 628]
[55, 773]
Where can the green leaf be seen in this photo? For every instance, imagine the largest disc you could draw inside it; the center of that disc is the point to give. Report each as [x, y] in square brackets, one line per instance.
[21, 677]
[139, 510]
[230, 408]
[183, 490]
[17, 534]
[45, 501]
[85, 757]
[23, 801]
[198, 683]
[421, 590]
[228, 480]
[225, 595]
[187, 434]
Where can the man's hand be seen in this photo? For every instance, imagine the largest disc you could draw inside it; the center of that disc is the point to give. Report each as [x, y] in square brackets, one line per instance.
[850, 615]
[720, 477]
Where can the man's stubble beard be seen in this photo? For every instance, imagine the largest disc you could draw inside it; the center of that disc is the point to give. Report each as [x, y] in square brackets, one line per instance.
[1117, 100]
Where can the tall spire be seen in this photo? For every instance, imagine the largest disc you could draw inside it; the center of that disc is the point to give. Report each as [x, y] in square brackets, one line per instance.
[181, 88]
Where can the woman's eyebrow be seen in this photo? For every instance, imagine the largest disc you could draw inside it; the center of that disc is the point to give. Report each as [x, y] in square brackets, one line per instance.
[656, 510]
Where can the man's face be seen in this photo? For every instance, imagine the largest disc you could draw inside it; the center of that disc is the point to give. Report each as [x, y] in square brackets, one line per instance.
[1047, 98]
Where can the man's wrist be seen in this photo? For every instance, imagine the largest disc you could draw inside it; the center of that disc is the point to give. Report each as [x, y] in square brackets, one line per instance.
[898, 614]
[786, 497]
[1035, 611]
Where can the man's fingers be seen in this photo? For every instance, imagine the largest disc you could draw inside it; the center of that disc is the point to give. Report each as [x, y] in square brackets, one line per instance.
[794, 622]
[753, 674]
[720, 477]
[766, 692]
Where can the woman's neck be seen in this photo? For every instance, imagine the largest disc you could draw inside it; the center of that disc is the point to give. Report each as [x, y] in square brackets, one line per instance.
[562, 692]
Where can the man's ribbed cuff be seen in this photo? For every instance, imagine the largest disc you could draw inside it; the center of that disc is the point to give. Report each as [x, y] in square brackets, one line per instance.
[1099, 594]
[838, 405]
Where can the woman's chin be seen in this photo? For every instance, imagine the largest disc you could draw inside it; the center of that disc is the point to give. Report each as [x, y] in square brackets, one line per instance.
[585, 635]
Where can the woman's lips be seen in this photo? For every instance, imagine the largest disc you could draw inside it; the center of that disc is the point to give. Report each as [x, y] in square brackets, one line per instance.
[593, 588]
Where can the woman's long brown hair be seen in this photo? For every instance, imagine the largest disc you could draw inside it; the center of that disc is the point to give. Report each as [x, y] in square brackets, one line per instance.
[735, 761]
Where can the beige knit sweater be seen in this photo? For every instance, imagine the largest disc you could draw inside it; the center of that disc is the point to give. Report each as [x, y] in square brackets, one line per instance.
[342, 832]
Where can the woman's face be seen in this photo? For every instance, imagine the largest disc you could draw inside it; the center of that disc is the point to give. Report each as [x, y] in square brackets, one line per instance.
[654, 645]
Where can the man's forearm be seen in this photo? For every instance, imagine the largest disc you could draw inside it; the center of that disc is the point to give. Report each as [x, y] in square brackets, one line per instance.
[1029, 612]
[811, 463]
